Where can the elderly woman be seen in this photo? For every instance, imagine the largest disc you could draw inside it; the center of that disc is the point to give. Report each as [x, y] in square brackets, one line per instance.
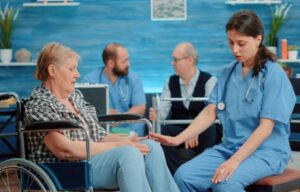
[130, 164]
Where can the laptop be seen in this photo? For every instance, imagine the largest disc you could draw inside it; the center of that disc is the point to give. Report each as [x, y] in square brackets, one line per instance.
[97, 95]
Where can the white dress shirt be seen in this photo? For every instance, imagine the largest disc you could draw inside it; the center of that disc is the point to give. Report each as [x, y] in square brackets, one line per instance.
[186, 92]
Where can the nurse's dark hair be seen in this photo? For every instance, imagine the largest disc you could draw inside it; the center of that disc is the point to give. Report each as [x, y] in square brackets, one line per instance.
[248, 23]
[53, 53]
[110, 52]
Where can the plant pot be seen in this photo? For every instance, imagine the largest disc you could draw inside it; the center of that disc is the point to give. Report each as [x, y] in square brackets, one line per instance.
[293, 55]
[6, 55]
[289, 71]
[273, 49]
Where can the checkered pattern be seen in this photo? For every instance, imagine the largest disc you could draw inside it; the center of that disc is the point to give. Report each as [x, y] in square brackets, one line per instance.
[43, 106]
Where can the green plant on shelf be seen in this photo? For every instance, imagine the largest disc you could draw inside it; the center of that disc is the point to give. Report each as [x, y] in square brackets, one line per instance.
[7, 18]
[278, 17]
[283, 65]
[293, 47]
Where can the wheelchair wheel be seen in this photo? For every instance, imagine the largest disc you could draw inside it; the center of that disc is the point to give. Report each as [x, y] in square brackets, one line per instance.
[23, 175]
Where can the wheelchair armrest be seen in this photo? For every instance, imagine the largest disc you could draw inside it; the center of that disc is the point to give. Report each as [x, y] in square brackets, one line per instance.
[52, 125]
[124, 118]
[8, 95]
[43, 126]
[4, 96]
[119, 117]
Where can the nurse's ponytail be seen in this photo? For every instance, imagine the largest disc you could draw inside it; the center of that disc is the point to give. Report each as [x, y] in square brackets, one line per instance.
[262, 56]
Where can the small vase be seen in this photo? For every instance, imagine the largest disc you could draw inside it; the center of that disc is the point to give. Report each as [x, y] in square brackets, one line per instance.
[273, 49]
[293, 55]
[6, 55]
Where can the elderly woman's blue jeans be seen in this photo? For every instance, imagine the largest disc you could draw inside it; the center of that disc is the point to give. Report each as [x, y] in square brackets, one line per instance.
[127, 169]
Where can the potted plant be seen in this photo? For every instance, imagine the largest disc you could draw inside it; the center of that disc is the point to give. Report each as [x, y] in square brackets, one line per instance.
[287, 69]
[292, 52]
[278, 17]
[7, 17]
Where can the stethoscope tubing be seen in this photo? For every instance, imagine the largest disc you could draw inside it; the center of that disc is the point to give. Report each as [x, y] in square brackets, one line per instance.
[221, 105]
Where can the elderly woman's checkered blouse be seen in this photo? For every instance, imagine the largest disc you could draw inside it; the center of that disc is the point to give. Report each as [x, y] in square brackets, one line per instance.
[43, 106]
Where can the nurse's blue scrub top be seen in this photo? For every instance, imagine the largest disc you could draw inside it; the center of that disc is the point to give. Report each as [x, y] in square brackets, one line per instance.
[269, 95]
[126, 92]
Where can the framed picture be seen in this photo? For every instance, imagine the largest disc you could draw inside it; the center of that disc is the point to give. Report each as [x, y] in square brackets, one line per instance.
[168, 10]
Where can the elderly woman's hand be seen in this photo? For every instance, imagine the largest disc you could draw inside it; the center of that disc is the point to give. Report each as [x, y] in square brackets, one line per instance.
[144, 149]
[135, 138]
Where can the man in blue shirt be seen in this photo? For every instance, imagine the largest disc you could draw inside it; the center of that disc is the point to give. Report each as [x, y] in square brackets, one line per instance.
[126, 93]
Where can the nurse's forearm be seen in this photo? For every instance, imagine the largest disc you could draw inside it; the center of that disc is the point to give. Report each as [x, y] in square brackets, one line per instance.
[204, 120]
[255, 140]
[139, 109]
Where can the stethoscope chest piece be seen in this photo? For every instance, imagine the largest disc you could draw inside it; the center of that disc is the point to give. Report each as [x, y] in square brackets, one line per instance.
[221, 106]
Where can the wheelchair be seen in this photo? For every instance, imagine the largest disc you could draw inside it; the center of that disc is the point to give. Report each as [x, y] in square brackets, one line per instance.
[20, 174]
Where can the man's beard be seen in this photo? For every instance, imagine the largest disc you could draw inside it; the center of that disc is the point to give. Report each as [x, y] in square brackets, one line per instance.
[118, 72]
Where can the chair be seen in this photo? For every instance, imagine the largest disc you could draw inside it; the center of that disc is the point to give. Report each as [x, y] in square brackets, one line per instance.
[156, 103]
[76, 175]
[8, 134]
[97, 95]
[69, 175]
[157, 124]
[290, 179]
[17, 174]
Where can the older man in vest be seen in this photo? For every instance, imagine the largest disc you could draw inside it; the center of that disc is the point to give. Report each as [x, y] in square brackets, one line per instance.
[188, 82]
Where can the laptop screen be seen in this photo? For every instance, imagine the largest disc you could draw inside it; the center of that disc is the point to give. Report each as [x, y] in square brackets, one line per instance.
[97, 95]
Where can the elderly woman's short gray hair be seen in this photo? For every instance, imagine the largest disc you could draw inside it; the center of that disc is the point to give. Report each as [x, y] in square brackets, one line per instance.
[53, 53]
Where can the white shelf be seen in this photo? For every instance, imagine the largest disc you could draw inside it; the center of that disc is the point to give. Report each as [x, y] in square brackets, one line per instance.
[289, 61]
[51, 4]
[254, 2]
[16, 64]
[53, 0]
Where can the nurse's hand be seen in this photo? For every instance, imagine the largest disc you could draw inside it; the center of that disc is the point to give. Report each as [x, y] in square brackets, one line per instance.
[192, 143]
[152, 114]
[163, 139]
[225, 170]
[113, 111]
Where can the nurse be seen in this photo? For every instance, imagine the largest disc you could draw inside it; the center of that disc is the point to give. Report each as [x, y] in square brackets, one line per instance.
[253, 99]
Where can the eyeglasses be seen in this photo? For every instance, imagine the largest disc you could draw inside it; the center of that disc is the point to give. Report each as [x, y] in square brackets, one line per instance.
[175, 60]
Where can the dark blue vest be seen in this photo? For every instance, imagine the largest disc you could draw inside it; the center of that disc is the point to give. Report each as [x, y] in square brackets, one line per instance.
[178, 110]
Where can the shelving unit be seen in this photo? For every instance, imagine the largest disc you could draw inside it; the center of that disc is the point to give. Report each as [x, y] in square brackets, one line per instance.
[254, 2]
[51, 3]
[289, 61]
[16, 64]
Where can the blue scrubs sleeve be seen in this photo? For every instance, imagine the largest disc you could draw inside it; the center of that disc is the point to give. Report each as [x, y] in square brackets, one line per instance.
[92, 77]
[137, 94]
[279, 97]
[218, 90]
[214, 95]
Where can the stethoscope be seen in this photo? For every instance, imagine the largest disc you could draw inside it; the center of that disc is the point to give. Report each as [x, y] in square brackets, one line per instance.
[221, 105]
[123, 93]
